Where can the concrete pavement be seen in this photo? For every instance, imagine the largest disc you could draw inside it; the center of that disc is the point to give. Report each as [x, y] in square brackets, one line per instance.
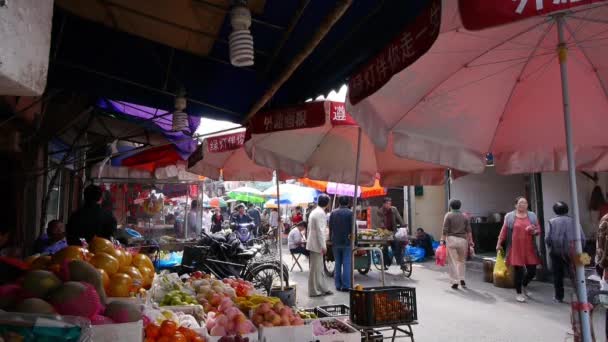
[481, 312]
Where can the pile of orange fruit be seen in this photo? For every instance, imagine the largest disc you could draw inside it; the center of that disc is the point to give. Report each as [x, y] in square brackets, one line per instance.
[169, 331]
[123, 273]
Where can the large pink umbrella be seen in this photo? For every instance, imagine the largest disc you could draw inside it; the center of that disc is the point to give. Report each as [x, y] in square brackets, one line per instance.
[224, 155]
[325, 147]
[499, 89]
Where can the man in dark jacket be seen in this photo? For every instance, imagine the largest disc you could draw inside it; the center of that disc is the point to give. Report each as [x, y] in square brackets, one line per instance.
[340, 228]
[254, 213]
[390, 219]
[90, 220]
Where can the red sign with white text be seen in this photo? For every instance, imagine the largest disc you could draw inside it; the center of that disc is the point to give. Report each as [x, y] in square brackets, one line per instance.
[225, 143]
[415, 40]
[339, 116]
[480, 14]
[308, 115]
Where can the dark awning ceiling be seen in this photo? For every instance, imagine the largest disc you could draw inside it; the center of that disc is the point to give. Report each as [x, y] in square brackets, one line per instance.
[142, 51]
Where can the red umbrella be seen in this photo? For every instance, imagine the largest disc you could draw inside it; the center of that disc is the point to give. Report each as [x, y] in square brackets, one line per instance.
[153, 158]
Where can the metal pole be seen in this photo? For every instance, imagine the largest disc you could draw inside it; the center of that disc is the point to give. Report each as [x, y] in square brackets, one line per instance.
[353, 233]
[280, 229]
[186, 213]
[581, 287]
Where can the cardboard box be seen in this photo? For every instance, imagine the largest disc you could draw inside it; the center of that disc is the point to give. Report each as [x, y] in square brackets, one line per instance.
[118, 332]
[353, 336]
[301, 333]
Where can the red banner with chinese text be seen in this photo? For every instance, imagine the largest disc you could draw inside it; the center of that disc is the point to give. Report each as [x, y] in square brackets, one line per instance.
[480, 14]
[308, 115]
[414, 41]
[339, 116]
[225, 143]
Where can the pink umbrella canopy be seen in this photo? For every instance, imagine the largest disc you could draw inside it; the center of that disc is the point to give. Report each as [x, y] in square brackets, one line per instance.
[318, 140]
[499, 90]
[224, 155]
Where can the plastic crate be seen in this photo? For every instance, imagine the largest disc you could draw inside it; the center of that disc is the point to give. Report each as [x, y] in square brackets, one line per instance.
[383, 306]
[332, 310]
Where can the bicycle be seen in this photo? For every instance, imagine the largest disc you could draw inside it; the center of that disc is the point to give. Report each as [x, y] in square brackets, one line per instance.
[406, 266]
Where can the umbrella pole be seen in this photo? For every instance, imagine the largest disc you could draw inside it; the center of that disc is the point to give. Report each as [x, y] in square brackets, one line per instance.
[280, 229]
[581, 287]
[353, 233]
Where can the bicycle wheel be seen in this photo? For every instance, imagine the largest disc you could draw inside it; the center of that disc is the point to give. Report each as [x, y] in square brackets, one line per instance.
[376, 260]
[267, 276]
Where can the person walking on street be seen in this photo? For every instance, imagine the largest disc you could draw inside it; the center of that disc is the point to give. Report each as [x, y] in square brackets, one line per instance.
[340, 226]
[194, 223]
[560, 240]
[458, 238]
[91, 220]
[216, 220]
[391, 220]
[517, 237]
[254, 213]
[316, 245]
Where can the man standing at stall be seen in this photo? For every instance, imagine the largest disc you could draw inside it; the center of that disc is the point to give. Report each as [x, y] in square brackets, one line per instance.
[340, 225]
[391, 220]
[317, 286]
[90, 220]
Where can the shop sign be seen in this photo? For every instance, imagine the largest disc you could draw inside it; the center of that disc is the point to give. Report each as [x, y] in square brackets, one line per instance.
[225, 143]
[339, 116]
[309, 115]
[480, 14]
[415, 40]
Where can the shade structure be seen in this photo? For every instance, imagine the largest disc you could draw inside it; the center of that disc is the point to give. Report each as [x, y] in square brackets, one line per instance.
[292, 191]
[247, 194]
[215, 202]
[325, 147]
[224, 156]
[272, 204]
[342, 189]
[153, 158]
[499, 90]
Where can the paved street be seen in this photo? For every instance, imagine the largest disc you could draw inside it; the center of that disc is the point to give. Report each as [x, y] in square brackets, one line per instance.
[480, 313]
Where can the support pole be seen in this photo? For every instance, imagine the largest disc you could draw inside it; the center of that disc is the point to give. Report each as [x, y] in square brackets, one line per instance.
[353, 233]
[581, 287]
[280, 228]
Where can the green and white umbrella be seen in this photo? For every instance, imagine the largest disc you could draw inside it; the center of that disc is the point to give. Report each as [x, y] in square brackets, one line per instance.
[247, 194]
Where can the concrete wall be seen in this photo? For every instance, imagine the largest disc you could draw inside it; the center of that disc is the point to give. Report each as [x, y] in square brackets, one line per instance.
[488, 192]
[428, 210]
[25, 33]
[556, 188]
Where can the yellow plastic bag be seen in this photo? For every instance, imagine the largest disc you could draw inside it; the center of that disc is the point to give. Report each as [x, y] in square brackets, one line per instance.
[500, 267]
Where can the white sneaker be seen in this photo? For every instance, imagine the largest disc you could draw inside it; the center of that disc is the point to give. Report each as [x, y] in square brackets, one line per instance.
[526, 292]
[520, 298]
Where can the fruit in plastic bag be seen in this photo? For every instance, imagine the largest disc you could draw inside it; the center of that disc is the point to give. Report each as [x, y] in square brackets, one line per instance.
[121, 312]
[134, 273]
[500, 267]
[441, 255]
[39, 283]
[142, 260]
[76, 299]
[78, 270]
[70, 253]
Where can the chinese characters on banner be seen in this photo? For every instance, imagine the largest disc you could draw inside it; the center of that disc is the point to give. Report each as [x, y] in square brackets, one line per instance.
[480, 14]
[225, 143]
[405, 49]
[308, 115]
[339, 116]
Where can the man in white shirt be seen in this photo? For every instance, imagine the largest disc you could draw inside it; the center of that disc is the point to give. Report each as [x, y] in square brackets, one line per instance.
[316, 245]
[274, 218]
[296, 241]
[207, 220]
[194, 225]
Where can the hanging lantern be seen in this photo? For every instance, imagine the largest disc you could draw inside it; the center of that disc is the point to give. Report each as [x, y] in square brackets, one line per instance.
[180, 118]
[241, 40]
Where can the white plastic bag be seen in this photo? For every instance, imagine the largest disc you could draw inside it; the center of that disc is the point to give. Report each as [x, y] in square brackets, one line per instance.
[401, 234]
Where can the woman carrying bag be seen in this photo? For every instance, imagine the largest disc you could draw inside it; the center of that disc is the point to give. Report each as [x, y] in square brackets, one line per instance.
[457, 238]
[518, 237]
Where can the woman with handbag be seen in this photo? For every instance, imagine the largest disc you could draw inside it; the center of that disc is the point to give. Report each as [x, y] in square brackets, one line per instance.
[518, 235]
[457, 238]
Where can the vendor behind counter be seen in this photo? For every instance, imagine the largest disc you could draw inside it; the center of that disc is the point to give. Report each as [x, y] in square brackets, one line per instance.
[90, 220]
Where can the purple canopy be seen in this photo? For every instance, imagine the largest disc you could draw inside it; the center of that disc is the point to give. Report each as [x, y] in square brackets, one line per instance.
[157, 120]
